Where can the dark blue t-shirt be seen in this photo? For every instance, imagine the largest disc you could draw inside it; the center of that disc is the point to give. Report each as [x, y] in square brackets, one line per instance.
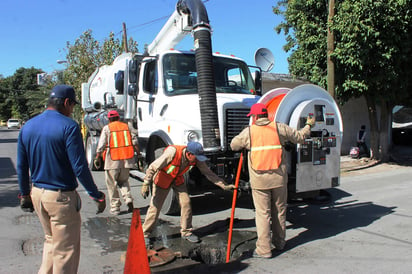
[51, 146]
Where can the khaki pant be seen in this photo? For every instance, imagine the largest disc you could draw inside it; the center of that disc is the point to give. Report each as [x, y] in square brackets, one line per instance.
[270, 205]
[60, 217]
[118, 178]
[158, 197]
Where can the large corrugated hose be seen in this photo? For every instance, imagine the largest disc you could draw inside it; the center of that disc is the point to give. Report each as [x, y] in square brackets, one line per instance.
[207, 89]
[205, 75]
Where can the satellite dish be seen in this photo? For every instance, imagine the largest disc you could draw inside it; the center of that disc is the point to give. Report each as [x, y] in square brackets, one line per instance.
[264, 59]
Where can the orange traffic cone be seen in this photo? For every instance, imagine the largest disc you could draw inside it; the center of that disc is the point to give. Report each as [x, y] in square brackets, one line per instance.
[136, 255]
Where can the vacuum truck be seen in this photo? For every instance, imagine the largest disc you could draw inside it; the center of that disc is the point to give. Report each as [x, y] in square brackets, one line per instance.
[172, 97]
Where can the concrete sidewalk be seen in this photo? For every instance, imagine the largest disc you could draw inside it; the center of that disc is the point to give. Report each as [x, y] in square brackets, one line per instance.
[400, 155]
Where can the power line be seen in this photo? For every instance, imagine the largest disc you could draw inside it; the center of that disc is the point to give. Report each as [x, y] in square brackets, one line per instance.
[147, 23]
[143, 24]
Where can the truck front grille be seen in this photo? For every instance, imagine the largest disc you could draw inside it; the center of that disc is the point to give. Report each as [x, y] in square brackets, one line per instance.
[236, 121]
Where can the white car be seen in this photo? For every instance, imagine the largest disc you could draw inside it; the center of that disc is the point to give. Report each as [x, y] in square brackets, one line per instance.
[13, 123]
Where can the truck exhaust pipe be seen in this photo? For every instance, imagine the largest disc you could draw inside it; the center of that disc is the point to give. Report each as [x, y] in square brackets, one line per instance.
[205, 72]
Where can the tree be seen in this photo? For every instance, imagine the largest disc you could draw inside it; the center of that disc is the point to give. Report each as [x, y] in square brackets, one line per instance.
[5, 102]
[306, 30]
[372, 54]
[86, 54]
[20, 95]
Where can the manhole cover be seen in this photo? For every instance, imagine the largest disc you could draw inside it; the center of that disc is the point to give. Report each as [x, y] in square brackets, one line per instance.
[32, 247]
[27, 219]
[160, 256]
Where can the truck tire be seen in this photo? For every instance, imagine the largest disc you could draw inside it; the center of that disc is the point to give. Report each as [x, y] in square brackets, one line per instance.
[171, 204]
[91, 146]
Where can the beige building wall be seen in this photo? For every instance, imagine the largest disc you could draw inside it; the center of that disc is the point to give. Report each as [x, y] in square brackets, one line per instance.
[354, 115]
[272, 80]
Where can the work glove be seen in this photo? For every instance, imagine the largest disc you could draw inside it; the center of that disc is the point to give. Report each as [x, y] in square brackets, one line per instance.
[100, 202]
[97, 163]
[140, 163]
[145, 189]
[230, 187]
[25, 203]
[310, 121]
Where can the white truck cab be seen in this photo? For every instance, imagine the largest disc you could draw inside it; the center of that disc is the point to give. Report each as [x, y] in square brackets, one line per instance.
[168, 99]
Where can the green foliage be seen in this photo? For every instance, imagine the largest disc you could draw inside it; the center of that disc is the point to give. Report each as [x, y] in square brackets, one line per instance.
[81, 58]
[372, 52]
[20, 96]
[86, 54]
[305, 27]
[372, 45]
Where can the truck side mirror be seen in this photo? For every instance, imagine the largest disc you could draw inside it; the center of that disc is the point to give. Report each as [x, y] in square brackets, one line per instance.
[133, 71]
[119, 81]
[132, 89]
[258, 82]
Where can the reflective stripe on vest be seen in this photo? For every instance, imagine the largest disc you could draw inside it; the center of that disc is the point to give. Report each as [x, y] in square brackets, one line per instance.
[120, 144]
[265, 148]
[166, 175]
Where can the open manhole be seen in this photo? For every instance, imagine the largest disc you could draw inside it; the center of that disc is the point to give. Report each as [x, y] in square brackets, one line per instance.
[208, 255]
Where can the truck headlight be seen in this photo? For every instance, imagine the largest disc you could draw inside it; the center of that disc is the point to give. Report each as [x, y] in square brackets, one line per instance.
[192, 136]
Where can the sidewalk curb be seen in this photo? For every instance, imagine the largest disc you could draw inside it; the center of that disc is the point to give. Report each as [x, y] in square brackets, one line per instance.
[360, 166]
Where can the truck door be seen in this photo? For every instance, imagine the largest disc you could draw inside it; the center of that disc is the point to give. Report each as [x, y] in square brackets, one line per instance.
[146, 98]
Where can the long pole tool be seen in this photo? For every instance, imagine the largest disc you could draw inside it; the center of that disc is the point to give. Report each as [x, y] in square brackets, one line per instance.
[232, 217]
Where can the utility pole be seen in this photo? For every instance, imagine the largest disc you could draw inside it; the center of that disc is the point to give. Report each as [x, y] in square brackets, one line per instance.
[330, 49]
[125, 38]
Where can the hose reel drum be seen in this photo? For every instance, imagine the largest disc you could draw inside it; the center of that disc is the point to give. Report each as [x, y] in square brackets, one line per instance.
[315, 164]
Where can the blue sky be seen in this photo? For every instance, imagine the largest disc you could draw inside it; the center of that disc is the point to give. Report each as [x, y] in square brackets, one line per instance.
[35, 33]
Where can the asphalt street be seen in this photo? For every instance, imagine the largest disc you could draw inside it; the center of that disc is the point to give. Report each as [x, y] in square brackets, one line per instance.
[366, 227]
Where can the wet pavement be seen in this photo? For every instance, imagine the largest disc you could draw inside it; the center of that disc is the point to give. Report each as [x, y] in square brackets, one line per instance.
[111, 234]
[105, 237]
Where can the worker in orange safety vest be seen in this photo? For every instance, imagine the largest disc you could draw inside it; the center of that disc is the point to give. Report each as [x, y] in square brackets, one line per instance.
[166, 172]
[264, 140]
[118, 147]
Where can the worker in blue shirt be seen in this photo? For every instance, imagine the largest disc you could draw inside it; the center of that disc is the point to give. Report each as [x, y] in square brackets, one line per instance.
[50, 146]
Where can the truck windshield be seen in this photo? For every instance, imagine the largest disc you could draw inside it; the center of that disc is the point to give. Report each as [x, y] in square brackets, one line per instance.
[180, 75]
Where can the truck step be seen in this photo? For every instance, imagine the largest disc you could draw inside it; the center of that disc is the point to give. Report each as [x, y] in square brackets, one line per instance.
[137, 174]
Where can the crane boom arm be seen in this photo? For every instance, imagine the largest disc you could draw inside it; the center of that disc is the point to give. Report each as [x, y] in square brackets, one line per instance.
[175, 29]
[189, 15]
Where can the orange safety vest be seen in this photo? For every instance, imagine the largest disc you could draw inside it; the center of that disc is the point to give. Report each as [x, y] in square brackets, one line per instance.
[265, 147]
[172, 171]
[120, 144]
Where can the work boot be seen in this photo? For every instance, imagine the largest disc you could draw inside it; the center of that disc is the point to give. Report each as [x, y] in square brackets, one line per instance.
[263, 256]
[278, 247]
[130, 207]
[115, 211]
[191, 238]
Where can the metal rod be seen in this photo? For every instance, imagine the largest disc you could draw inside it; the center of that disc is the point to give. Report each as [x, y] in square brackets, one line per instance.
[233, 207]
